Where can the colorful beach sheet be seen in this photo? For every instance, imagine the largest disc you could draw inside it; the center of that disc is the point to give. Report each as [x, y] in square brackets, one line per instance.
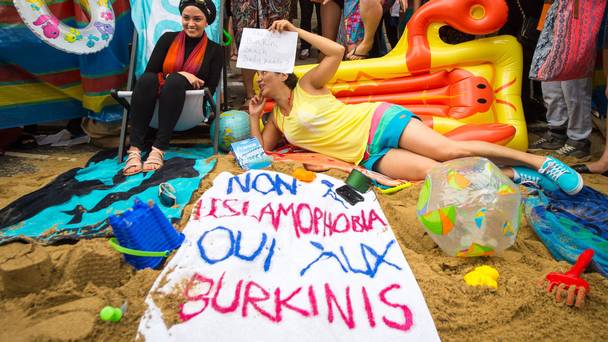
[270, 258]
[40, 83]
[568, 225]
[76, 204]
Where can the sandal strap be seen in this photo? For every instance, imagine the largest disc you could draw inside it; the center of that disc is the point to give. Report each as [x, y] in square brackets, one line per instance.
[156, 157]
[132, 155]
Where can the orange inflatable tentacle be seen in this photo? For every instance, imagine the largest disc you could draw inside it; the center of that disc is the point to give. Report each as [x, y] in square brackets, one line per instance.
[493, 133]
[405, 84]
[471, 16]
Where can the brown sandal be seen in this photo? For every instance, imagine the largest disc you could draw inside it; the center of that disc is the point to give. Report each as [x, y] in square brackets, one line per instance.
[133, 164]
[154, 161]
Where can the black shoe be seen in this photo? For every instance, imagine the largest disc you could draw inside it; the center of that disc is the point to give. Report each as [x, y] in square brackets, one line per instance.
[582, 168]
[575, 148]
[549, 141]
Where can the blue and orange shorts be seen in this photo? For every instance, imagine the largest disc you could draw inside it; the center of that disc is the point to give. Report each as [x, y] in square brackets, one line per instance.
[388, 123]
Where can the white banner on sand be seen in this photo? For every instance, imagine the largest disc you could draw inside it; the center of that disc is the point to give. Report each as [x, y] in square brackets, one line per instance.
[270, 258]
[264, 50]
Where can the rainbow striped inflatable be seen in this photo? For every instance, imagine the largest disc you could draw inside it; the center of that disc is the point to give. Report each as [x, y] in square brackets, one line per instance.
[39, 83]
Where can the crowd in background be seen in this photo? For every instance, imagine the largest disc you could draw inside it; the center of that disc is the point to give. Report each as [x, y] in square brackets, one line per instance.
[370, 28]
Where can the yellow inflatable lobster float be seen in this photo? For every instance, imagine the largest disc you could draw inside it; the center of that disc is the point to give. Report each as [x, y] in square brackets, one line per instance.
[467, 91]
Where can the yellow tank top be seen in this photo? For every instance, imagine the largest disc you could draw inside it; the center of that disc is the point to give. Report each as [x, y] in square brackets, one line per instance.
[323, 124]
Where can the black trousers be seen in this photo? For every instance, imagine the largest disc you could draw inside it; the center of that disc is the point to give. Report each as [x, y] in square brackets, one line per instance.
[306, 7]
[170, 105]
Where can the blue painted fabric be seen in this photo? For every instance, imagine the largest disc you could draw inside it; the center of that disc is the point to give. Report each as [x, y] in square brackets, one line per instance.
[77, 203]
[568, 225]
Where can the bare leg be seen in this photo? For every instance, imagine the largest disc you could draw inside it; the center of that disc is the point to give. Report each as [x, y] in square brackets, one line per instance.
[392, 165]
[330, 22]
[248, 82]
[402, 164]
[601, 165]
[371, 14]
[422, 140]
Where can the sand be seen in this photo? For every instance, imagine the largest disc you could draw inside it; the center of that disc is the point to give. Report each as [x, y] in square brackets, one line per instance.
[55, 292]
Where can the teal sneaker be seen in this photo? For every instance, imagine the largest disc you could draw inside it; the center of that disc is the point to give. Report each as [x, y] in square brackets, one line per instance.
[563, 175]
[523, 175]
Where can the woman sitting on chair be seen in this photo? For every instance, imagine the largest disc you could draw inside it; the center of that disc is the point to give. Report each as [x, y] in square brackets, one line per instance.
[379, 136]
[180, 61]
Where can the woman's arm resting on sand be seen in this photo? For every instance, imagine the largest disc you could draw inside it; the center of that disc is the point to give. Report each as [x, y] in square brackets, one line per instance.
[270, 136]
[318, 76]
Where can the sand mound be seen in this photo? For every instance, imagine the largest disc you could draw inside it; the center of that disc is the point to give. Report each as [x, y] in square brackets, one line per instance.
[56, 292]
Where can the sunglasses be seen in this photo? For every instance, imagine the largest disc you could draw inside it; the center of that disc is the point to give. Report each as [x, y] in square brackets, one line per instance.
[166, 194]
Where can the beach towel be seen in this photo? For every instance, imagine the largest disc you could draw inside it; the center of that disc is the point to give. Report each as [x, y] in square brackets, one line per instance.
[568, 225]
[77, 203]
[269, 258]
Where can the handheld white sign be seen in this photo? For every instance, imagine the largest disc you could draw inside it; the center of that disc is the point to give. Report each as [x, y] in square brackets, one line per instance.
[267, 51]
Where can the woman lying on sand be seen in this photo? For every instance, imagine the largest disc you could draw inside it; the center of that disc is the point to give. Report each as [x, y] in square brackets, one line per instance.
[379, 136]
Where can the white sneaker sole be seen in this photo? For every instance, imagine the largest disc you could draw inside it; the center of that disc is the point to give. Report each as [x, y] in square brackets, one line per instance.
[578, 188]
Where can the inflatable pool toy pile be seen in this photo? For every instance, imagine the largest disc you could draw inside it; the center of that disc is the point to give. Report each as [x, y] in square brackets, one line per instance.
[466, 91]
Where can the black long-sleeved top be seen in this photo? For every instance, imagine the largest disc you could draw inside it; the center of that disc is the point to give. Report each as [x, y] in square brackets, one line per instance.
[210, 68]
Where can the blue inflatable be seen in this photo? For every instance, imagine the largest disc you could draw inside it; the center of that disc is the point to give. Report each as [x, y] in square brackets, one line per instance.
[568, 225]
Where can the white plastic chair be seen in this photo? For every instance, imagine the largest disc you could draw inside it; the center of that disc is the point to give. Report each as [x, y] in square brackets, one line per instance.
[193, 114]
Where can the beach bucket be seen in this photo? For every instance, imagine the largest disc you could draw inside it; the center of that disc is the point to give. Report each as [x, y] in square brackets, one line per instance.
[144, 235]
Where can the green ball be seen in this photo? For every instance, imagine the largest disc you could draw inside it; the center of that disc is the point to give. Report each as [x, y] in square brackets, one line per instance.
[109, 313]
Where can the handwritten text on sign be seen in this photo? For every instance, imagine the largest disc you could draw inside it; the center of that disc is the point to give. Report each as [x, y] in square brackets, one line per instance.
[268, 51]
[268, 257]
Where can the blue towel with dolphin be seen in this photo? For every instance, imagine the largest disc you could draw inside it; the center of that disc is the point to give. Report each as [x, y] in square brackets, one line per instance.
[77, 203]
[568, 225]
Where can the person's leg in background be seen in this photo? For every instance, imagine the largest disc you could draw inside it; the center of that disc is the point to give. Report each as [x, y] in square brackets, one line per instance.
[371, 14]
[557, 118]
[319, 28]
[577, 94]
[306, 8]
[248, 76]
[293, 10]
[331, 12]
[245, 14]
[599, 166]
[391, 23]
[229, 28]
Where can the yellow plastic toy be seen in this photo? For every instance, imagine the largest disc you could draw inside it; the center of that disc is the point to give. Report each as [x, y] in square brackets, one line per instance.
[482, 276]
[466, 91]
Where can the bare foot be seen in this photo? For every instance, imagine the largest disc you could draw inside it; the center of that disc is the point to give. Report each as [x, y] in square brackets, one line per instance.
[360, 51]
[597, 167]
[154, 161]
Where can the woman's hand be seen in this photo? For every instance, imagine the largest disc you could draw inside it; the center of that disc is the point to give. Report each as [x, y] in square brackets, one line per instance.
[322, 2]
[282, 25]
[195, 82]
[256, 105]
